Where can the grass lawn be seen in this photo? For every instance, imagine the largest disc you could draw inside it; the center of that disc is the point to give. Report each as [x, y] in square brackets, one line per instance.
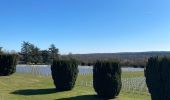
[29, 87]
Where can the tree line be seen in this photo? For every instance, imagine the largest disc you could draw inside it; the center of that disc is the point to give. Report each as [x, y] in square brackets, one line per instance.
[31, 54]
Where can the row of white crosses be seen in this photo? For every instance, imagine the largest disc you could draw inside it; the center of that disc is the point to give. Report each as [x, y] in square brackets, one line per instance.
[135, 85]
[131, 85]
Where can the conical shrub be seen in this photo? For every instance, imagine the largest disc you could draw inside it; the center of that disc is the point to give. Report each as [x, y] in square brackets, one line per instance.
[107, 79]
[157, 73]
[64, 74]
[7, 64]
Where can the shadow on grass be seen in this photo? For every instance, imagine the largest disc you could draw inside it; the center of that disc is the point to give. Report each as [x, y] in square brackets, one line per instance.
[83, 97]
[35, 91]
[29, 92]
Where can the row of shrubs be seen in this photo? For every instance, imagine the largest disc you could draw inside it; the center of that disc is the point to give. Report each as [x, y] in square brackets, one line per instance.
[106, 75]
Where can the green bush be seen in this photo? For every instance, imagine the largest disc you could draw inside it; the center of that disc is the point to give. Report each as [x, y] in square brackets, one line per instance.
[157, 73]
[107, 79]
[64, 74]
[7, 64]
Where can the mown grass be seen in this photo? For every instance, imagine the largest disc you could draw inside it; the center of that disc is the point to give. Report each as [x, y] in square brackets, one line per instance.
[30, 87]
[132, 74]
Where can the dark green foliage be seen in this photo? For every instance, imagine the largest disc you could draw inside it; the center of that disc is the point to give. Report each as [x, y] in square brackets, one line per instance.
[107, 79]
[7, 64]
[89, 64]
[45, 56]
[26, 51]
[64, 74]
[35, 55]
[31, 54]
[53, 52]
[1, 50]
[157, 73]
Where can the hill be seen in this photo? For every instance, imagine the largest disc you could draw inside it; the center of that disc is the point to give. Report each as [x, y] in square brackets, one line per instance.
[125, 58]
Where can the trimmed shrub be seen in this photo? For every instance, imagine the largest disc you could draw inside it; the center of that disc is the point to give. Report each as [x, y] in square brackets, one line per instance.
[7, 64]
[107, 79]
[64, 74]
[157, 73]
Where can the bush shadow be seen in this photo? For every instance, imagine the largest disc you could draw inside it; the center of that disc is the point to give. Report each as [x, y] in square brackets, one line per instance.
[83, 97]
[35, 91]
[31, 92]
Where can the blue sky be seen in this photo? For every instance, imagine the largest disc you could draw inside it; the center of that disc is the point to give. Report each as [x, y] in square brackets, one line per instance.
[86, 26]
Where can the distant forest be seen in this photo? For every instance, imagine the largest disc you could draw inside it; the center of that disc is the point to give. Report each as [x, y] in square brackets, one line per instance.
[134, 59]
[31, 54]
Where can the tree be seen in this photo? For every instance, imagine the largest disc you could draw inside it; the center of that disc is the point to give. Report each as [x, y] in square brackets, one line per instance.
[25, 51]
[53, 51]
[31, 53]
[1, 50]
[45, 56]
[35, 55]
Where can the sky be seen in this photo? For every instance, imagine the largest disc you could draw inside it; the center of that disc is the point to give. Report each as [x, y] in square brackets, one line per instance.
[86, 26]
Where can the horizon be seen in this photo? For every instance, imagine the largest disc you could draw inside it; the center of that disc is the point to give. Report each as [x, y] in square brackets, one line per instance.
[84, 27]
